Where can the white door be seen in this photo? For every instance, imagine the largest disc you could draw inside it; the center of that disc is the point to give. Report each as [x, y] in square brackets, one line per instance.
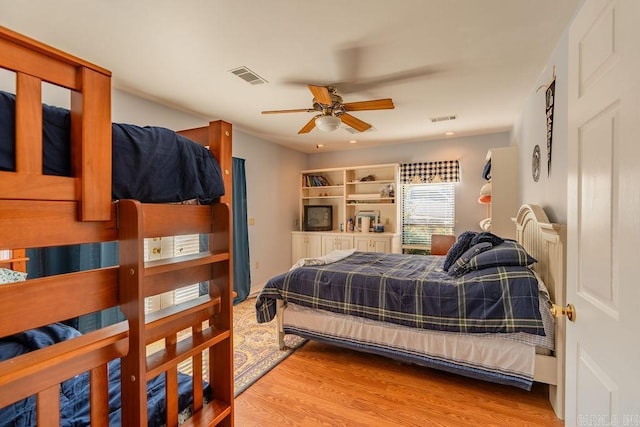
[603, 245]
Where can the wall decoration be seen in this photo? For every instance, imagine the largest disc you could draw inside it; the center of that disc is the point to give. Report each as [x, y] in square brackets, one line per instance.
[535, 163]
[549, 102]
[550, 89]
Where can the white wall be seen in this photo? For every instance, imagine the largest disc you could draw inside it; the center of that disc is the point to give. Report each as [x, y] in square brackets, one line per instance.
[550, 192]
[273, 192]
[127, 108]
[471, 151]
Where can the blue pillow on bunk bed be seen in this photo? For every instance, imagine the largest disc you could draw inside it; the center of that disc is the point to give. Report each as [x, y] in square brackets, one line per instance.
[507, 253]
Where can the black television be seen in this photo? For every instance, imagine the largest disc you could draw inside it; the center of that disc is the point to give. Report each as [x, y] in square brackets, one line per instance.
[317, 218]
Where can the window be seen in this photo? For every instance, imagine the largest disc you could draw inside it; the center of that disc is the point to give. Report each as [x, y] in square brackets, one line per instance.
[426, 209]
[167, 247]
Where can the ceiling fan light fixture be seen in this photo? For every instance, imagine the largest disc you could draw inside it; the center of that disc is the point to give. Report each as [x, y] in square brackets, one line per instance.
[328, 123]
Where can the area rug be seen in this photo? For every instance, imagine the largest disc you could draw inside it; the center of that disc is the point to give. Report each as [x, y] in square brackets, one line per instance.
[255, 346]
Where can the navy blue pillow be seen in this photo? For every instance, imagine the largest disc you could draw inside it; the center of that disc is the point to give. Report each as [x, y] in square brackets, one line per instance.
[459, 247]
[508, 253]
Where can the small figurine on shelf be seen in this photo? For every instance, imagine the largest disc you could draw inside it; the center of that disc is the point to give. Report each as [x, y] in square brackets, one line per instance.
[350, 225]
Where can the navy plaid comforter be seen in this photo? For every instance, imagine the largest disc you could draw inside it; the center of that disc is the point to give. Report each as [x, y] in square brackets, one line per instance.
[414, 291]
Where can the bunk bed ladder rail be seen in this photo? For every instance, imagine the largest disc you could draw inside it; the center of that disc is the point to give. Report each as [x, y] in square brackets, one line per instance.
[139, 280]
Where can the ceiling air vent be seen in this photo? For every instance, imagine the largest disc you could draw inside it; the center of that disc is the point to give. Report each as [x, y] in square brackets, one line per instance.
[248, 76]
[442, 118]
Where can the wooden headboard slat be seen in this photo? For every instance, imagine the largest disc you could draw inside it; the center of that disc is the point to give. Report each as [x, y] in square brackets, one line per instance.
[16, 39]
[91, 144]
[28, 125]
[159, 219]
[26, 186]
[32, 223]
[56, 298]
[40, 369]
[27, 61]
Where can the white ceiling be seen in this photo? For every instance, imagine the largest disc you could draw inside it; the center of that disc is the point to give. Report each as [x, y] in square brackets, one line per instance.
[476, 59]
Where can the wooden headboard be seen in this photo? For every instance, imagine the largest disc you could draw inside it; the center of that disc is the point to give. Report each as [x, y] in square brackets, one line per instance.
[546, 242]
[90, 85]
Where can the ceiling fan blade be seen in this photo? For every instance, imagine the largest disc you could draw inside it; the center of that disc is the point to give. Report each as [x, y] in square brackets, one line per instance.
[299, 110]
[321, 94]
[354, 122]
[309, 126]
[376, 104]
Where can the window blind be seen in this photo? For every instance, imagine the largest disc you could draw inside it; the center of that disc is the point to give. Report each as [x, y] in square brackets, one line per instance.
[172, 247]
[427, 209]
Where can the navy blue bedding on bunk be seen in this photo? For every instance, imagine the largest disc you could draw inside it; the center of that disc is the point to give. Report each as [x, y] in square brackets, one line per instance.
[74, 393]
[150, 164]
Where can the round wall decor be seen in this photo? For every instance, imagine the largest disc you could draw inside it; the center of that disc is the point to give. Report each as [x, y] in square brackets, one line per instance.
[535, 163]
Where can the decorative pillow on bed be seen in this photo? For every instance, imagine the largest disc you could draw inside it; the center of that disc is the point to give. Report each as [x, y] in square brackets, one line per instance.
[508, 253]
[467, 255]
[459, 247]
[10, 276]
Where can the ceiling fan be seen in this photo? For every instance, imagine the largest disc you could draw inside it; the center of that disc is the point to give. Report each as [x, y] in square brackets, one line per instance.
[333, 111]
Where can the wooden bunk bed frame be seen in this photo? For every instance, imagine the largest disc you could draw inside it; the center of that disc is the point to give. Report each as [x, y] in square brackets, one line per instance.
[39, 210]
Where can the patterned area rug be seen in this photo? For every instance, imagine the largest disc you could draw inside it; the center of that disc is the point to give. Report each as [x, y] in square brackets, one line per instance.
[255, 346]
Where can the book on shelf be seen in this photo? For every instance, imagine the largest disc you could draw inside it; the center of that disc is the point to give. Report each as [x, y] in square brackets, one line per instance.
[315, 181]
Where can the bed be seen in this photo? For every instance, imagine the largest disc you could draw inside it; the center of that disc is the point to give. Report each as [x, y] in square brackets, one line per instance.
[93, 198]
[492, 322]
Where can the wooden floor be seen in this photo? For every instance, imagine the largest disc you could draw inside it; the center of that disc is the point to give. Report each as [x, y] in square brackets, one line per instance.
[323, 385]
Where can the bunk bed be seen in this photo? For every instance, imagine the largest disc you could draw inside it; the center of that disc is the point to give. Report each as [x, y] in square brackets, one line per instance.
[484, 334]
[53, 364]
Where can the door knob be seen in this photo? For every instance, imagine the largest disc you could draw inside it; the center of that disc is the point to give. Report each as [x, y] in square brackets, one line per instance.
[569, 311]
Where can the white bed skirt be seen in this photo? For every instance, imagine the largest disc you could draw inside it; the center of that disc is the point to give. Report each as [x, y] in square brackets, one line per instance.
[484, 357]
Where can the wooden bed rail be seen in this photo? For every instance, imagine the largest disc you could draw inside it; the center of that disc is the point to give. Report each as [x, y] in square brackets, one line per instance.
[42, 371]
[90, 85]
[30, 304]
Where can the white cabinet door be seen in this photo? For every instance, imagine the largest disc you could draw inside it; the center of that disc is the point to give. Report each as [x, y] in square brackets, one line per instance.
[329, 243]
[372, 244]
[382, 245]
[332, 242]
[305, 245]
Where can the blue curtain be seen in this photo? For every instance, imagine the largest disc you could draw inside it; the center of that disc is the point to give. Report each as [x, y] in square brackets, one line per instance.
[241, 264]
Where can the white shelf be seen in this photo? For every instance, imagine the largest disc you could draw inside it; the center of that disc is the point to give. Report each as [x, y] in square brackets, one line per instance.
[385, 181]
[353, 195]
[313, 187]
[363, 196]
[322, 197]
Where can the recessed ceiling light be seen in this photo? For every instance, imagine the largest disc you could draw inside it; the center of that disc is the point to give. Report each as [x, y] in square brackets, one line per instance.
[319, 145]
[353, 141]
[449, 133]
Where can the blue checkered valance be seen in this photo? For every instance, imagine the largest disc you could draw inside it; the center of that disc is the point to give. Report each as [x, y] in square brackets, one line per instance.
[422, 172]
